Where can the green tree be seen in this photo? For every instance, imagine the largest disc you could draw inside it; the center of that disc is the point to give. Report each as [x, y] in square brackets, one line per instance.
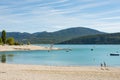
[28, 43]
[1, 41]
[3, 36]
[16, 43]
[10, 41]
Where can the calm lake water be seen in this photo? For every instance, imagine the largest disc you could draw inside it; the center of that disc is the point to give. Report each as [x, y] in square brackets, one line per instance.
[80, 55]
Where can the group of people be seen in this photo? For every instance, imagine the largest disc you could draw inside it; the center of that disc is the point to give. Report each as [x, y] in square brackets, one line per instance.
[103, 66]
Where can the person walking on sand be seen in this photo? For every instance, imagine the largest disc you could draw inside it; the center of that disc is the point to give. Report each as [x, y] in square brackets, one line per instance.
[101, 66]
[105, 66]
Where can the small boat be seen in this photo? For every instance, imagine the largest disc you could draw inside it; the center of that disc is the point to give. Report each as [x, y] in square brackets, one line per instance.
[114, 54]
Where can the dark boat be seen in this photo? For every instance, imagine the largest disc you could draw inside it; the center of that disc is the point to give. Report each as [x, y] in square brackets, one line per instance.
[114, 54]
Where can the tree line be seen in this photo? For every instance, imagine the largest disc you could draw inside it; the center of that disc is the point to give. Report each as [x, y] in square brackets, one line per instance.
[112, 38]
[9, 41]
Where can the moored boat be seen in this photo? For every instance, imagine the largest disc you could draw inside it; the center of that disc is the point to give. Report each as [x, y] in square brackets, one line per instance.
[114, 54]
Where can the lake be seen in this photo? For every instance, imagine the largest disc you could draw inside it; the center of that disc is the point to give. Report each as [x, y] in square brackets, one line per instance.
[79, 55]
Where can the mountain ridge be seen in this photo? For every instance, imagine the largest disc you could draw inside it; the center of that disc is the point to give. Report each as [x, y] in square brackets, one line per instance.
[53, 37]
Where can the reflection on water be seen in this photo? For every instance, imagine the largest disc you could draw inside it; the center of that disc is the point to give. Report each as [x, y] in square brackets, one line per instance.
[5, 57]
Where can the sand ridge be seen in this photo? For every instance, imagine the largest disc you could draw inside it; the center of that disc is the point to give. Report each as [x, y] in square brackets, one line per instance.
[24, 47]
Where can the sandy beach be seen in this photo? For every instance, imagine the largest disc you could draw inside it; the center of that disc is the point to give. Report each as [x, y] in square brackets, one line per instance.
[24, 47]
[36, 72]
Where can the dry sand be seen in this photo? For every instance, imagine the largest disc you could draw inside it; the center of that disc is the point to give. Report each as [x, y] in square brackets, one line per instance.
[36, 72]
[24, 47]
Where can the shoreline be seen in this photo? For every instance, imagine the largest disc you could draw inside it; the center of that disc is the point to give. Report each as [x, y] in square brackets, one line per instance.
[97, 66]
[24, 48]
[41, 72]
[67, 66]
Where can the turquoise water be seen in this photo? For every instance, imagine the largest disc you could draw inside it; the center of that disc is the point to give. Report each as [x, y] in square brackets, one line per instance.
[80, 55]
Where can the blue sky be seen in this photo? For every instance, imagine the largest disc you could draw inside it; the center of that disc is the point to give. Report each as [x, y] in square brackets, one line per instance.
[52, 15]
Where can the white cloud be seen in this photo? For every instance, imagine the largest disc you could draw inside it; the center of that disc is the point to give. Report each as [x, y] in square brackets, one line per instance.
[47, 14]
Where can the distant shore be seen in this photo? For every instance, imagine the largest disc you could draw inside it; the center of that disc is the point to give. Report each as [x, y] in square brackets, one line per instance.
[24, 48]
[37, 72]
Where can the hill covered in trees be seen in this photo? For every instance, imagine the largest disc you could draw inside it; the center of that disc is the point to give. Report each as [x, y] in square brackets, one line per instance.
[113, 38]
[52, 37]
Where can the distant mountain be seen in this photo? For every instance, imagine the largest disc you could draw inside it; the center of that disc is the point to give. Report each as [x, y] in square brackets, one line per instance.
[53, 37]
[113, 38]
